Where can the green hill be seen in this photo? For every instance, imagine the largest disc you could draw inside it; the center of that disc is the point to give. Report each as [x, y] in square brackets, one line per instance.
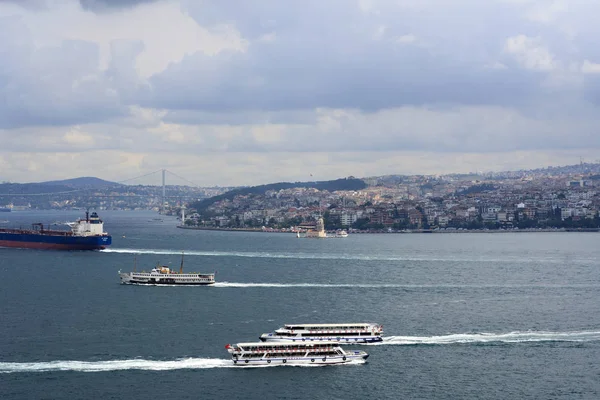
[349, 183]
[86, 182]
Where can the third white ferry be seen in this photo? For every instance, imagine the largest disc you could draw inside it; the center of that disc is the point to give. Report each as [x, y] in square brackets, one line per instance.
[339, 333]
[292, 353]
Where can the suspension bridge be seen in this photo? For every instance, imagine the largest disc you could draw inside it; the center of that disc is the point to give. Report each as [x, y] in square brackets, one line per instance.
[124, 189]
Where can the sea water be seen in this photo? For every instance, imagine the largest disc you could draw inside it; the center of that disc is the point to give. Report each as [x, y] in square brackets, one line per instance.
[465, 315]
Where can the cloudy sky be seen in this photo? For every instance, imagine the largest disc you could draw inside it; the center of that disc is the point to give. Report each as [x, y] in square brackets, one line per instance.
[231, 92]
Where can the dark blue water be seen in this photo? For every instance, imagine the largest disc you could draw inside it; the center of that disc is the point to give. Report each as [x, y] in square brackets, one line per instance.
[486, 316]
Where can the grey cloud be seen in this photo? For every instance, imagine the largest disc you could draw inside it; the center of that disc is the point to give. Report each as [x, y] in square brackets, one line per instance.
[263, 16]
[326, 56]
[60, 85]
[92, 5]
[110, 5]
[277, 79]
[192, 117]
[441, 130]
[29, 4]
[592, 88]
[330, 55]
[121, 72]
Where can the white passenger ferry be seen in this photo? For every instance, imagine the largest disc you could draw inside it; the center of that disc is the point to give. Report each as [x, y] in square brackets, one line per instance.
[340, 233]
[292, 353]
[339, 333]
[163, 275]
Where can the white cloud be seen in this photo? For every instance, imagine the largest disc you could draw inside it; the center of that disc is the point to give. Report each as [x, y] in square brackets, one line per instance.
[496, 65]
[379, 32]
[547, 11]
[406, 39]
[530, 53]
[167, 33]
[589, 67]
[78, 138]
[268, 37]
[377, 141]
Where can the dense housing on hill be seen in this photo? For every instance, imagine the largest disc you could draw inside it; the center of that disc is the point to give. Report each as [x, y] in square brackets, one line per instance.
[544, 199]
[564, 197]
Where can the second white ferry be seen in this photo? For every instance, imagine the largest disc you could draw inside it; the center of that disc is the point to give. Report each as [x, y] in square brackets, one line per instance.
[340, 333]
[292, 353]
[164, 276]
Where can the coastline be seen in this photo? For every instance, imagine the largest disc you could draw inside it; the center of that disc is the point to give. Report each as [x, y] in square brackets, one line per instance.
[210, 228]
[428, 231]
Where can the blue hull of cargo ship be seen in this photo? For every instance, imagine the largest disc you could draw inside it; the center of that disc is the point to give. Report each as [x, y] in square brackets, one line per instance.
[49, 241]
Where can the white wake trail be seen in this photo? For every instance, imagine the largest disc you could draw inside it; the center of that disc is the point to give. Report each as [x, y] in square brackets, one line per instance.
[329, 256]
[511, 337]
[136, 364]
[115, 365]
[308, 285]
[226, 284]
[298, 285]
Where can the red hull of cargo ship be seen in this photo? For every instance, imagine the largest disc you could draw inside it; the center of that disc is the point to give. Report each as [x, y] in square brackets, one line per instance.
[48, 246]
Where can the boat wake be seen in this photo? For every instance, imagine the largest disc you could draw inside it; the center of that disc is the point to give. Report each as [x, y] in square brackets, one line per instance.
[299, 285]
[136, 364]
[210, 363]
[387, 285]
[115, 365]
[329, 256]
[307, 285]
[492, 338]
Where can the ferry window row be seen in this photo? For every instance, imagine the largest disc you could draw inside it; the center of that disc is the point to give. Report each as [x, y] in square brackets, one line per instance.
[341, 334]
[290, 346]
[320, 353]
[326, 328]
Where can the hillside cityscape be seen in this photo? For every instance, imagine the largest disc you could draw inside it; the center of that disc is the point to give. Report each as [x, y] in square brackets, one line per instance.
[565, 197]
[98, 194]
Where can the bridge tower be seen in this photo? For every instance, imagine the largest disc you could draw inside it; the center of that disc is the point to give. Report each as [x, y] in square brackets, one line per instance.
[162, 202]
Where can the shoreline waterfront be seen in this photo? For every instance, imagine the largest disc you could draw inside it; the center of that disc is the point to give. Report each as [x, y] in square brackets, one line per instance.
[273, 230]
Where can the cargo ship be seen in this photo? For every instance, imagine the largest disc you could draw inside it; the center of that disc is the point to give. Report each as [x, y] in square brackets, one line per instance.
[85, 234]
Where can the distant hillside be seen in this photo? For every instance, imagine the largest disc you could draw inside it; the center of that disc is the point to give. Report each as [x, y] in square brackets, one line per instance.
[581, 168]
[585, 169]
[86, 182]
[349, 183]
[32, 188]
[8, 191]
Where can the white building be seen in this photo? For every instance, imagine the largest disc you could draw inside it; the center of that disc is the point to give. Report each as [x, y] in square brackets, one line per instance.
[347, 219]
[566, 213]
